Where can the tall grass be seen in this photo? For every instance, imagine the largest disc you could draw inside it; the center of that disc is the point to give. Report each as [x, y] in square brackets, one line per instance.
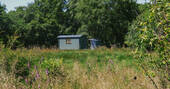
[82, 69]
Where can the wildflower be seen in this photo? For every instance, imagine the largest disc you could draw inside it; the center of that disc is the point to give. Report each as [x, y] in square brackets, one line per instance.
[32, 73]
[35, 67]
[47, 72]
[28, 64]
[37, 75]
[26, 80]
[39, 86]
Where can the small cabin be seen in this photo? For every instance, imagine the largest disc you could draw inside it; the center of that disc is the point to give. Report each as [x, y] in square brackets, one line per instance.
[70, 42]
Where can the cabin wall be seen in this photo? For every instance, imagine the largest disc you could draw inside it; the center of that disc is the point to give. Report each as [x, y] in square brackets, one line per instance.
[74, 44]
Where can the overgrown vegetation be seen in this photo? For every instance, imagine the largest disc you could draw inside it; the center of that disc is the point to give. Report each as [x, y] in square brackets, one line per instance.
[85, 69]
[150, 33]
[144, 28]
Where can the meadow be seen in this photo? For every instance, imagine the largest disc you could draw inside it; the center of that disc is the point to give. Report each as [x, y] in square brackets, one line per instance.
[101, 68]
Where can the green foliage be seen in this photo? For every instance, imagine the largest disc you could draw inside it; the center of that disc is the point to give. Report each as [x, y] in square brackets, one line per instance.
[6, 27]
[41, 22]
[52, 60]
[150, 32]
[106, 20]
[114, 66]
[53, 65]
[21, 68]
[38, 24]
[43, 65]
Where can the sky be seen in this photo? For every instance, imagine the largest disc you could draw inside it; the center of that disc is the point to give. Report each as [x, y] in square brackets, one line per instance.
[11, 4]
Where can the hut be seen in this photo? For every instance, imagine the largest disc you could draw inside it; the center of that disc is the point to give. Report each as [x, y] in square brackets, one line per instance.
[69, 42]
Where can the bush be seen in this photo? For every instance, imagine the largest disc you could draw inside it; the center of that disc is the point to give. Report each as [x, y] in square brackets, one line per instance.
[53, 66]
[150, 32]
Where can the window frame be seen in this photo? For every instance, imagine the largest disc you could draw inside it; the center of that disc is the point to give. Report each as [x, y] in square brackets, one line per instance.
[68, 41]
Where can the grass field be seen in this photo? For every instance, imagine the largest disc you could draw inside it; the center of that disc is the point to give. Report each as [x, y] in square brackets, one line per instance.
[71, 69]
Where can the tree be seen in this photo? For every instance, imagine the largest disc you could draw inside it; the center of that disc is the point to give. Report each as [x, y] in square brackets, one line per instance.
[106, 20]
[47, 22]
[6, 29]
[42, 21]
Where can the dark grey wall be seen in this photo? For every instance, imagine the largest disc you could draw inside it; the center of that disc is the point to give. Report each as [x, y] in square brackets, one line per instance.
[83, 43]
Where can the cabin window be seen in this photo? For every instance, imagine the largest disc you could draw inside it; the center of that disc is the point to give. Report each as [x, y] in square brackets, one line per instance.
[68, 41]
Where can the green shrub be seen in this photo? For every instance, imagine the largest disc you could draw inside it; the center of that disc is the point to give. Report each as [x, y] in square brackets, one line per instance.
[21, 67]
[150, 33]
[52, 64]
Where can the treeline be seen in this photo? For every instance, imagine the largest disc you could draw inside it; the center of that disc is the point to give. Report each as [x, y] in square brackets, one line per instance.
[41, 22]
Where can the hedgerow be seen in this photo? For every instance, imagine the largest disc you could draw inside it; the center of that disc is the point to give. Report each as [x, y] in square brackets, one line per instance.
[150, 33]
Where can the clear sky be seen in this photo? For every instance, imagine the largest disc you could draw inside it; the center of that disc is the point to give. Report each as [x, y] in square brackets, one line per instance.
[11, 4]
